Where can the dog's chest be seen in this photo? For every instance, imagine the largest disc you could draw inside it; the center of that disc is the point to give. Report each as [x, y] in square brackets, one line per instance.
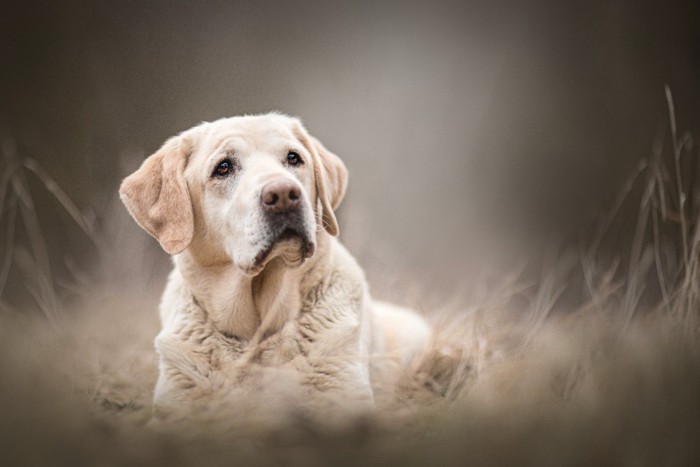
[298, 339]
[222, 351]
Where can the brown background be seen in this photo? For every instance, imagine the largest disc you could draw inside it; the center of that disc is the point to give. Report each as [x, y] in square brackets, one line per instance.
[473, 131]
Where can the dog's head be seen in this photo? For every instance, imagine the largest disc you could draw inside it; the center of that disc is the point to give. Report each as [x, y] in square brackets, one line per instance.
[248, 189]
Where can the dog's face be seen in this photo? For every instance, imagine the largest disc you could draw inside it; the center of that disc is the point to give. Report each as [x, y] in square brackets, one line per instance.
[248, 189]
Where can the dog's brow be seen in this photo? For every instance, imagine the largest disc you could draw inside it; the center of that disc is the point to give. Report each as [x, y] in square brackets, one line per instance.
[228, 143]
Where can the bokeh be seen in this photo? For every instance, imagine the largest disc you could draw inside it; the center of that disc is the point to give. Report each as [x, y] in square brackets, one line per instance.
[475, 132]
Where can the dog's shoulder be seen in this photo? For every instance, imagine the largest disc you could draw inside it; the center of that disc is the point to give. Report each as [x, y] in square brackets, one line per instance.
[333, 310]
[173, 299]
[337, 283]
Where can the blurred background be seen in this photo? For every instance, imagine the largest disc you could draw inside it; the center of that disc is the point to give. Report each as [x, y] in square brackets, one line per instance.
[475, 132]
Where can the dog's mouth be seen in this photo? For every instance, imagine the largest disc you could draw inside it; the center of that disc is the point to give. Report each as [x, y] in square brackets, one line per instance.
[288, 236]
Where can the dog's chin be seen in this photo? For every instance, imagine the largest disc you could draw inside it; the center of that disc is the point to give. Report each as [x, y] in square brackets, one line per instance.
[291, 246]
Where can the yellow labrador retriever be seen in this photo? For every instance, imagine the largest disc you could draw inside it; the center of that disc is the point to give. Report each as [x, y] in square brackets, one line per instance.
[246, 207]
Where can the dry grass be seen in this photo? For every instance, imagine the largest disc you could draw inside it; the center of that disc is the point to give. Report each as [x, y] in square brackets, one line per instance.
[584, 388]
[517, 375]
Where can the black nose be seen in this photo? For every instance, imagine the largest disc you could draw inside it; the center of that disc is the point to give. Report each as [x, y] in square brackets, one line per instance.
[280, 195]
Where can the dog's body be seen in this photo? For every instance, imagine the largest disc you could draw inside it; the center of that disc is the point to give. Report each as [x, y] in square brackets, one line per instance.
[246, 206]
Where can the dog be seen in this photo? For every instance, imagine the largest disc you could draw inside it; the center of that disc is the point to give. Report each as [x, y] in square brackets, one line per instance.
[246, 207]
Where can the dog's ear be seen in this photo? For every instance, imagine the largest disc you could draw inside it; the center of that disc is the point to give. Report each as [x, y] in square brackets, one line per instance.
[157, 197]
[331, 182]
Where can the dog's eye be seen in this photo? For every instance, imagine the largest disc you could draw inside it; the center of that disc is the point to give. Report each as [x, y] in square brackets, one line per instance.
[294, 159]
[224, 168]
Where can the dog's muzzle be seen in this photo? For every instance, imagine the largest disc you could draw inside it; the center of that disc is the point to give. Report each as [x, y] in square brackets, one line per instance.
[282, 203]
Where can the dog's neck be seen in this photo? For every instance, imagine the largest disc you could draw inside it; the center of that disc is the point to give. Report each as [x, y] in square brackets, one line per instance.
[244, 306]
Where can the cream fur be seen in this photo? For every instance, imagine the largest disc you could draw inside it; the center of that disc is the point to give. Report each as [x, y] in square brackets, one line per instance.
[224, 313]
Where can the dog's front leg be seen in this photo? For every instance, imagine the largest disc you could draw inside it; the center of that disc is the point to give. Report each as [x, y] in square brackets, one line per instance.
[187, 377]
[335, 356]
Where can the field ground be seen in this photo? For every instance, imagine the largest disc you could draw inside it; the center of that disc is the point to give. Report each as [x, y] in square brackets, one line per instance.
[501, 388]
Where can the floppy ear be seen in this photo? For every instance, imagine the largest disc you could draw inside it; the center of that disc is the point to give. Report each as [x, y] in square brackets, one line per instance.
[331, 182]
[156, 196]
